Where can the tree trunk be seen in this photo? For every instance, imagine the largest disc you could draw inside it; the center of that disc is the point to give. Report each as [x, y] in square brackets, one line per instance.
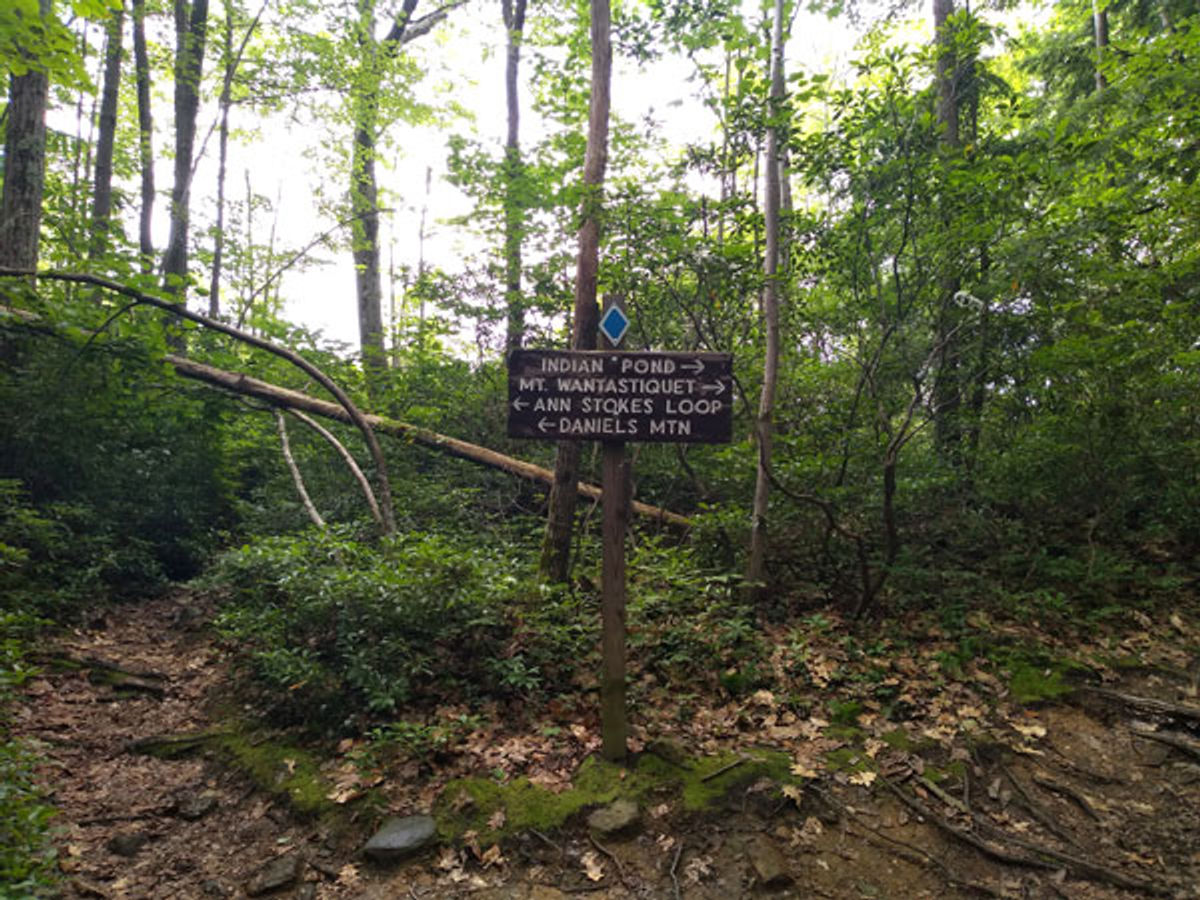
[514, 201]
[1100, 27]
[24, 166]
[102, 184]
[145, 134]
[230, 66]
[191, 30]
[947, 391]
[556, 545]
[756, 564]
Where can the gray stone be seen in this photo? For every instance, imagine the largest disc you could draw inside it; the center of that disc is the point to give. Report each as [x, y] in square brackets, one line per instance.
[615, 818]
[127, 843]
[306, 891]
[193, 805]
[770, 868]
[214, 888]
[278, 873]
[400, 837]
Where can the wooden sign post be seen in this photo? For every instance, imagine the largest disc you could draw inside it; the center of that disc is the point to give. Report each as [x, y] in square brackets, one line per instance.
[614, 397]
[614, 486]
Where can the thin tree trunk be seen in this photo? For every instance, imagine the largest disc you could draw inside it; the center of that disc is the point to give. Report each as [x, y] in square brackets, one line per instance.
[514, 201]
[145, 135]
[191, 30]
[556, 545]
[102, 184]
[364, 189]
[24, 166]
[948, 383]
[756, 564]
[1100, 27]
[230, 66]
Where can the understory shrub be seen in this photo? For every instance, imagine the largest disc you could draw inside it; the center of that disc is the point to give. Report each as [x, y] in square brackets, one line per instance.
[333, 629]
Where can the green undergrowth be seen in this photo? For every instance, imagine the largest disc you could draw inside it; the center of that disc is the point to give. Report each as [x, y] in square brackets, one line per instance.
[471, 804]
[27, 858]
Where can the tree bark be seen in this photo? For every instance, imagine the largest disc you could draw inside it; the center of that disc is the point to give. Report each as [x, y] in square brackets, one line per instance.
[297, 479]
[191, 31]
[106, 140]
[145, 135]
[230, 66]
[1100, 28]
[514, 200]
[756, 563]
[948, 385]
[556, 544]
[24, 166]
[364, 189]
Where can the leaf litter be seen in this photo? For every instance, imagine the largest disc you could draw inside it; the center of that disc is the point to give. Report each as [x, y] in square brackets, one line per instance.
[914, 771]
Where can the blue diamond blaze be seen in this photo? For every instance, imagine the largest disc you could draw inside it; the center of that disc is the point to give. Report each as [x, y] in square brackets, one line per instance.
[614, 324]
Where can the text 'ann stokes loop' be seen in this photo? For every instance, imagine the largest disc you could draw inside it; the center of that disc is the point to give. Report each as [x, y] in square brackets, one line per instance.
[615, 396]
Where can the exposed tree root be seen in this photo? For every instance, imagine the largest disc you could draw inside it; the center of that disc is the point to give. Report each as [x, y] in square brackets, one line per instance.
[1040, 815]
[1150, 704]
[1179, 742]
[1042, 857]
[1079, 797]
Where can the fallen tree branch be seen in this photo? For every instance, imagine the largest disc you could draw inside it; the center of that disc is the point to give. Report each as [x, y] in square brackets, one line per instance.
[346, 456]
[279, 396]
[178, 309]
[297, 479]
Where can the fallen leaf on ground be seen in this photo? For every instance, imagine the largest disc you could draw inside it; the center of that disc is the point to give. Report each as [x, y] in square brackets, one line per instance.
[592, 866]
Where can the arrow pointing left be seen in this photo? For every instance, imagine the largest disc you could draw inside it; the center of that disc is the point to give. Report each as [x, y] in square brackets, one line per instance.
[545, 424]
[519, 404]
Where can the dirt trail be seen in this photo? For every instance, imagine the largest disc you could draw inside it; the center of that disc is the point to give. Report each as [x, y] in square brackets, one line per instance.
[1071, 800]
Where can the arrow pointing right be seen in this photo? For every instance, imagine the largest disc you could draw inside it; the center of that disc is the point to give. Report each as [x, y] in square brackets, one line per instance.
[695, 366]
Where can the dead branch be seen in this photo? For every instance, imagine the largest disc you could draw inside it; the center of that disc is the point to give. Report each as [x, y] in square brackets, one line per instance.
[175, 308]
[297, 478]
[346, 456]
[290, 399]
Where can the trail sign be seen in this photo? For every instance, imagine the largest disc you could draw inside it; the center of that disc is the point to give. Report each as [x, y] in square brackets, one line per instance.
[610, 396]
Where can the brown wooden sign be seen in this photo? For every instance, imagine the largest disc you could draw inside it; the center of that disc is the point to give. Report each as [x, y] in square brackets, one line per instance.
[607, 395]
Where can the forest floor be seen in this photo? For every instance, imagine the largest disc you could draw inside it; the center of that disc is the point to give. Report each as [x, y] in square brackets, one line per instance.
[984, 778]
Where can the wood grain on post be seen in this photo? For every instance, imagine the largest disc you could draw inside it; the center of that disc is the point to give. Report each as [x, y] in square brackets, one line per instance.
[615, 484]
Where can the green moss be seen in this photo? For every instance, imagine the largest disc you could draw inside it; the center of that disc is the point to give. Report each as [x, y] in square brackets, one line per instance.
[280, 769]
[471, 804]
[898, 740]
[1034, 684]
[845, 713]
